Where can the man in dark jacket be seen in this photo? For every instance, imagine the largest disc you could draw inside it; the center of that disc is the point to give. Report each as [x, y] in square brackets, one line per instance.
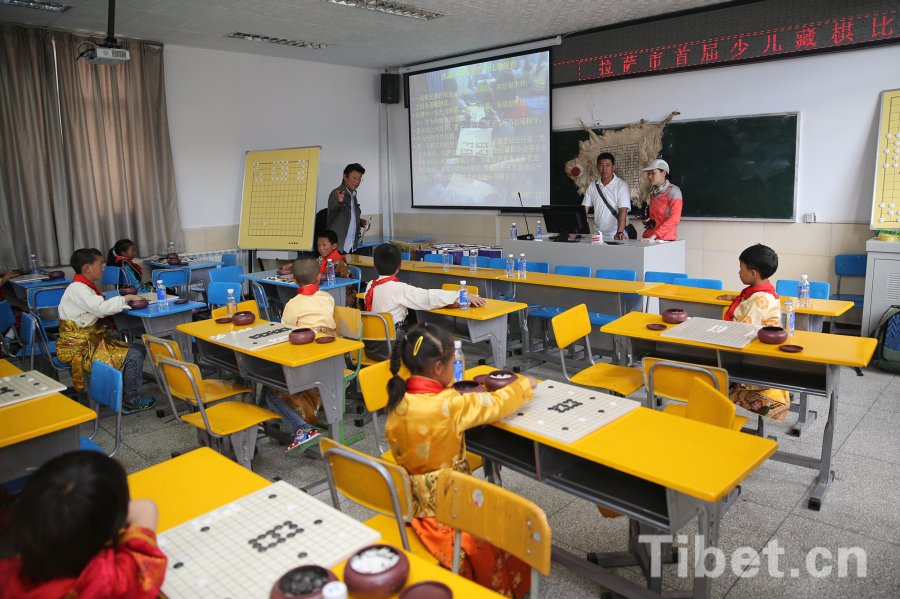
[344, 211]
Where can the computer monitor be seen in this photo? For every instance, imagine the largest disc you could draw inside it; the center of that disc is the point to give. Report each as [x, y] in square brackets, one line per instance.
[566, 219]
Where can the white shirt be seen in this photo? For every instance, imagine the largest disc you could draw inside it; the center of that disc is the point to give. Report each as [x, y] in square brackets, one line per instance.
[354, 228]
[397, 299]
[618, 195]
[82, 306]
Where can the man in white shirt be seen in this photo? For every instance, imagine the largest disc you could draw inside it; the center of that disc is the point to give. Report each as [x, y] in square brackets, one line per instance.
[611, 215]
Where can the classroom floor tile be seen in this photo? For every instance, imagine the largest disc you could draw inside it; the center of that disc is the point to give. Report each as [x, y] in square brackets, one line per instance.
[876, 436]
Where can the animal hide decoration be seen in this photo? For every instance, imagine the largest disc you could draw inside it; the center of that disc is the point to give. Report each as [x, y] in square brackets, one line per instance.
[634, 146]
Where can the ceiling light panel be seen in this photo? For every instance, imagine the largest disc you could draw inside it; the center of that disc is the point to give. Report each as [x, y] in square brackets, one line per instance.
[51, 6]
[253, 37]
[390, 8]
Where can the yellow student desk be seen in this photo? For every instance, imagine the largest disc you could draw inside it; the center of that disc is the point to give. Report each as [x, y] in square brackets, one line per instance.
[659, 470]
[36, 430]
[705, 304]
[815, 370]
[202, 480]
[287, 367]
[431, 275]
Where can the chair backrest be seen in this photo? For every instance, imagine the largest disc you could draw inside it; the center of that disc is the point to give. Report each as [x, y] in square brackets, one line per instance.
[674, 379]
[571, 325]
[473, 290]
[172, 277]
[433, 258]
[106, 390]
[481, 261]
[573, 271]
[228, 274]
[229, 259]
[45, 297]
[543, 267]
[708, 405]
[373, 483]
[656, 276]
[377, 326]
[182, 380]
[247, 306]
[217, 293]
[404, 255]
[355, 273]
[700, 283]
[788, 288]
[349, 322]
[373, 382]
[492, 513]
[161, 348]
[616, 275]
[498, 263]
[112, 275]
[850, 265]
[262, 300]
[7, 318]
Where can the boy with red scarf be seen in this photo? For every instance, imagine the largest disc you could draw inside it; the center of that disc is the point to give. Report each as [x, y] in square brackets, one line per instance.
[311, 309]
[327, 244]
[758, 304]
[83, 338]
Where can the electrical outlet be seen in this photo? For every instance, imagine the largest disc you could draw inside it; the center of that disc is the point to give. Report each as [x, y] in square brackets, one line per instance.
[809, 217]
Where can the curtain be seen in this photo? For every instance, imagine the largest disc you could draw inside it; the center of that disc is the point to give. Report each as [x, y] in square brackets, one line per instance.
[87, 164]
[33, 184]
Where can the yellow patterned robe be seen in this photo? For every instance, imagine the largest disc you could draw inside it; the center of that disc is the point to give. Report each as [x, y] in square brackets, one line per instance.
[760, 308]
[426, 433]
[80, 346]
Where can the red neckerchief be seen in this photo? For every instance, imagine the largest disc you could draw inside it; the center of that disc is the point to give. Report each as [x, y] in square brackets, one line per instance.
[308, 289]
[82, 279]
[370, 294]
[139, 270]
[334, 256]
[765, 287]
[420, 384]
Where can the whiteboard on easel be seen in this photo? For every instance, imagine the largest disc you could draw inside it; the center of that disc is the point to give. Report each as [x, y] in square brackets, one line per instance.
[278, 207]
[886, 200]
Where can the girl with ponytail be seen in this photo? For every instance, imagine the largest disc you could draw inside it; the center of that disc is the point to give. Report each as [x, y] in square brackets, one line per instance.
[426, 424]
[121, 255]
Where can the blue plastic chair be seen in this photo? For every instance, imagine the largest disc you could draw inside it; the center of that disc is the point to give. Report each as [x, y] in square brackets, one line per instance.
[7, 322]
[262, 300]
[482, 261]
[788, 288]
[404, 255]
[355, 274]
[36, 343]
[543, 267]
[229, 259]
[599, 319]
[217, 293]
[45, 298]
[658, 276]
[433, 258]
[572, 271]
[227, 274]
[106, 390]
[113, 275]
[699, 283]
[849, 265]
[498, 263]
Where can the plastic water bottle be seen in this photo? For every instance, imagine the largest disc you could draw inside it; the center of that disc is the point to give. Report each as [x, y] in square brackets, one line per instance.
[161, 300]
[463, 296]
[171, 247]
[522, 270]
[329, 271]
[231, 303]
[510, 266]
[445, 261]
[537, 235]
[34, 266]
[513, 231]
[459, 362]
[473, 261]
[803, 292]
[787, 317]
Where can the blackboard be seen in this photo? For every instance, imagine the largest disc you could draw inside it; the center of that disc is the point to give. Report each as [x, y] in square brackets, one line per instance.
[742, 167]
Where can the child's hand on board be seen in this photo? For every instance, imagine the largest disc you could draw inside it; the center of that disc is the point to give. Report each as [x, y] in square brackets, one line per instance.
[532, 380]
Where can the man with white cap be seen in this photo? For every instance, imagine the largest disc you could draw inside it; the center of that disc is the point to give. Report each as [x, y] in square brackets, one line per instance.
[665, 203]
[610, 199]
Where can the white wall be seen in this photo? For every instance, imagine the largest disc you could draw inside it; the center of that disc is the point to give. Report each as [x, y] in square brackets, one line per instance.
[222, 104]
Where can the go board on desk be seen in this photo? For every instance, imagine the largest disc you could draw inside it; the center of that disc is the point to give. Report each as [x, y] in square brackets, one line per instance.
[714, 332]
[27, 385]
[257, 337]
[567, 413]
[242, 548]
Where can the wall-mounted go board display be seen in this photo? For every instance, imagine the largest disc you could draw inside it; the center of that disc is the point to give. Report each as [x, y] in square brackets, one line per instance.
[886, 199]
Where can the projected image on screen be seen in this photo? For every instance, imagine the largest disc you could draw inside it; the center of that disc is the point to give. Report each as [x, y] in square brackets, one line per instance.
[480, 133]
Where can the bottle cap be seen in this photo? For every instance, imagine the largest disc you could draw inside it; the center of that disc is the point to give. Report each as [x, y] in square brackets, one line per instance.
[514, 224]
[804, 277]
[462, 282]
[231, 291]
[330, 260]
[522, 255]
[510, 256]
[457, 343]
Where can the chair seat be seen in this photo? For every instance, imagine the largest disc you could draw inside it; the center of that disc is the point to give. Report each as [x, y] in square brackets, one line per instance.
[230, 417]
[85, 444]
[849, 297]
[545, 312]
[598, 319]
[216, 389]
[390, 534]
[475, 461]
[620, 379]
[348, 372]
[367, 361]
[681, 409]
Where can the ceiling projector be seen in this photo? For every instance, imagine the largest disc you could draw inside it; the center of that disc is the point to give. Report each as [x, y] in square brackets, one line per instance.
[106, 56]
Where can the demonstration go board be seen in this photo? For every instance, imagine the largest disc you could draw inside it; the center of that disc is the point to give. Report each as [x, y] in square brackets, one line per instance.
[28, 385]
[257, 337]
[886, 203]
[567, 413]
[715, 332]
[278, 208]
[241, 549]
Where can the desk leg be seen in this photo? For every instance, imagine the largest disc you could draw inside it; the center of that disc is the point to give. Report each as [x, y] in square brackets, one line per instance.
[328, 376]
[493, 331]
[825, 473]
[807, 416]
[708, 520]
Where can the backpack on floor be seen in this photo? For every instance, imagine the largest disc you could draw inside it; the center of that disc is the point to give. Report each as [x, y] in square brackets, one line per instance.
[887, 333]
